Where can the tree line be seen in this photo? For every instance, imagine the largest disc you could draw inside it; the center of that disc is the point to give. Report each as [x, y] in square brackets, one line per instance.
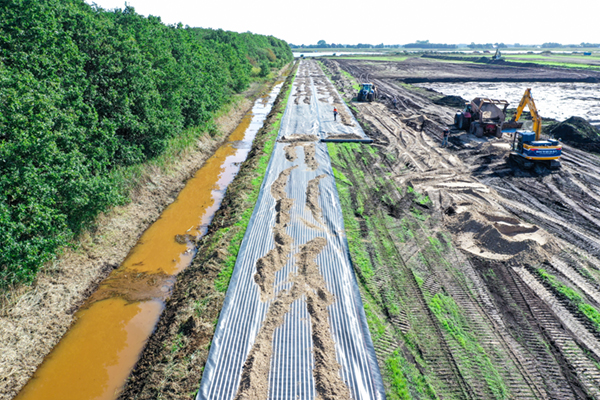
[84, 91]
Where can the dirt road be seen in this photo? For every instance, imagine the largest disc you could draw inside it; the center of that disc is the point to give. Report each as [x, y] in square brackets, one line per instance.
[524, 276]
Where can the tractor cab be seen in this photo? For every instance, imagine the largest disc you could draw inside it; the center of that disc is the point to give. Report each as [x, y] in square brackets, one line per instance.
[367, 87]
[368, 92]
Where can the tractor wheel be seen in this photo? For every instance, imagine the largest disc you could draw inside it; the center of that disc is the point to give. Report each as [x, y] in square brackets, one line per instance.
[370, 97]
[472, 128]
[459, 121]
[498, 132]
[479, 131]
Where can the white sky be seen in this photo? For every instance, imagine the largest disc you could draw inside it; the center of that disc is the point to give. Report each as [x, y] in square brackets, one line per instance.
[386, 21]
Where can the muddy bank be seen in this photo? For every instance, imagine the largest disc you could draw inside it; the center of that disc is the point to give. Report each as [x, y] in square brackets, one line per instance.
[173, 361]
[557, 101]
[505, 62]
[33, 322]
[577, 132]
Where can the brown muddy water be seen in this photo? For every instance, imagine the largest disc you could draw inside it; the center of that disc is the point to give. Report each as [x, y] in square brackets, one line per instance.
[94, 358]
[553, 100]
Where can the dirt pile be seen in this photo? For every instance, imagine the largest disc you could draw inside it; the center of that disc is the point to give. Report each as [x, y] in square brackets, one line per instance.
[275, 259]
[578, 132]
[496, 236]
[451, 101]
[307, 283]
[343, 136]
[298, 137]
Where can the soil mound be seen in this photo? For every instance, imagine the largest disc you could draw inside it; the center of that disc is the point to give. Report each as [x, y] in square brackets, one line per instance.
[495, 236]
[576, 130]
[451, 101]
[579, 133]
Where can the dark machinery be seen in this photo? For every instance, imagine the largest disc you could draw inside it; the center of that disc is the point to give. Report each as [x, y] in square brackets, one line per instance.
[484, 117]
[368, 92]
[527, 147]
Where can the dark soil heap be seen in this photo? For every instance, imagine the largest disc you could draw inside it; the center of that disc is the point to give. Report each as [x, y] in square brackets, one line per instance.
[451, 101]
[578, 132]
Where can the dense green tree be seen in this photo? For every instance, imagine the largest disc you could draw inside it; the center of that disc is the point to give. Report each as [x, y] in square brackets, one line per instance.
[84, 91]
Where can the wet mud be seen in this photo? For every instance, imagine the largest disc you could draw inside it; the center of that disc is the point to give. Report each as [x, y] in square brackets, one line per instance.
[420, 70]
[555, 100]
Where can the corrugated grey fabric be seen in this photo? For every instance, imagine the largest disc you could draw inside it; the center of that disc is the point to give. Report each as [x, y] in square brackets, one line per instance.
[243, 312]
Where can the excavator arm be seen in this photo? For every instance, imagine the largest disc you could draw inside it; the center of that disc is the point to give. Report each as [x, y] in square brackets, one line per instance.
[527, 100]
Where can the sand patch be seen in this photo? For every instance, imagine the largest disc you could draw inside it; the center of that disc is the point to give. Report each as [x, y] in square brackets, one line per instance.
[275, 259]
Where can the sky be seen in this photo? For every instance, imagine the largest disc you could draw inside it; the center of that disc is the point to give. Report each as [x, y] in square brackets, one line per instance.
[386, 21]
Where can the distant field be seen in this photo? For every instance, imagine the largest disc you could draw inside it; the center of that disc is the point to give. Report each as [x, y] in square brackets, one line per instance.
[557, 60]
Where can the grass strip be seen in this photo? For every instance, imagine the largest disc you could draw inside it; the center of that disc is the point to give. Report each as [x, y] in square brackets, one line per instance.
[222, 281]
[575, 299]
[173, 361]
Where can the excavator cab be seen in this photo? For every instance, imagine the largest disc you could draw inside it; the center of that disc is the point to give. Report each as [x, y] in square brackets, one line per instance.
[526, 150]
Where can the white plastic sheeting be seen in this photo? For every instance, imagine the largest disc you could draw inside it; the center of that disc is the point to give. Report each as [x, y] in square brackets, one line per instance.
[243, 312]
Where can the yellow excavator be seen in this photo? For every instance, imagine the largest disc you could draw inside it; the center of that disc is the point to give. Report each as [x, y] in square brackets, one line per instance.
[527, 147]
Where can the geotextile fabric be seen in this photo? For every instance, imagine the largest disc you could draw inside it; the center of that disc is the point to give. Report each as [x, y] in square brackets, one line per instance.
[304, 211]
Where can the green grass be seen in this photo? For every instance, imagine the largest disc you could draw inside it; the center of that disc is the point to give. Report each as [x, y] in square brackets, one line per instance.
[394, 365]
[222, 280]
[369, 248]
[454, 323]
[576, 299]
[355, 83]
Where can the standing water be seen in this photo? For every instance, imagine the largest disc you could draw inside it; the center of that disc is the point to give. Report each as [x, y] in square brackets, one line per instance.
[553, 100]
[95, 357]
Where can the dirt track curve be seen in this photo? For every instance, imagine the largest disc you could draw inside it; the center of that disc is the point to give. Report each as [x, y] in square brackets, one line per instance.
[527, 240]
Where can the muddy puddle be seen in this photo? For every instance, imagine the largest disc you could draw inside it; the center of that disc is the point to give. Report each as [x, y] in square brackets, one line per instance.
[97, 354]
[553, 100]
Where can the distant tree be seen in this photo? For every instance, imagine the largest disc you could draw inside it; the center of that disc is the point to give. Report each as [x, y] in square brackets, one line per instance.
[550, 45]
[322, 43]
[424, 44]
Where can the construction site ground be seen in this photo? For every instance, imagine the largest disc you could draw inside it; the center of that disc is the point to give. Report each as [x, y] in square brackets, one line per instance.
[481, 271]
[424, 69]
[474, 274]
[479, 280]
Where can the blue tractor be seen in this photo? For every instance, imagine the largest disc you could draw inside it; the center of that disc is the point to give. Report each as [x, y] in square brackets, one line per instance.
[368, 92]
